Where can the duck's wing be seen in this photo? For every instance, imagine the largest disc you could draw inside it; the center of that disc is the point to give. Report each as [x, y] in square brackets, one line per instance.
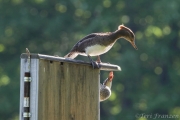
[90, 36]
[78, 47]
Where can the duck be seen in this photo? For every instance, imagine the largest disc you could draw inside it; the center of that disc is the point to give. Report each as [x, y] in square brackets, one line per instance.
[105, 88]
[96, 44]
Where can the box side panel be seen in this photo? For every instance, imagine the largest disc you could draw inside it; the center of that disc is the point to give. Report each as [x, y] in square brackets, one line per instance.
[68, 91]
[23, 67]
[34, 68]
[34, 89]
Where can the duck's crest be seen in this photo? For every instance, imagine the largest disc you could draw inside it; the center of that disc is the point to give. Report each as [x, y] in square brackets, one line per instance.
[121, 27]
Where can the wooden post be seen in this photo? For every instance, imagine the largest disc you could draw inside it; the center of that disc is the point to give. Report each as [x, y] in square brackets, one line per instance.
[62, 89]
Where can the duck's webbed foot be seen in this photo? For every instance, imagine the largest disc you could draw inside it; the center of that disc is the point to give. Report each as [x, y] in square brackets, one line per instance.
[95, 65]
[98, 59]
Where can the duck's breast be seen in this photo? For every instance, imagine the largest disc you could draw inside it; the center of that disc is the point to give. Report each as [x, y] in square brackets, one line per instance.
[97, 49]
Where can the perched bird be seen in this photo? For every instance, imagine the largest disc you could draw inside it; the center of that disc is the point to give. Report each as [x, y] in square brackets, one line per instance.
[96, 44]
[105, 88]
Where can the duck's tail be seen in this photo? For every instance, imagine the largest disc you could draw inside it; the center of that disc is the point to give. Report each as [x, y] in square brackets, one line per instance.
[71, 55]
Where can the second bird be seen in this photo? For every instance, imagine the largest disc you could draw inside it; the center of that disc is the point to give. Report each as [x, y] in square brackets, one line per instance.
[105, 88]
[96, 44]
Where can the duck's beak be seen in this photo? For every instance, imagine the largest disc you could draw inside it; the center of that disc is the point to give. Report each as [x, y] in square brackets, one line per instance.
[134, 45]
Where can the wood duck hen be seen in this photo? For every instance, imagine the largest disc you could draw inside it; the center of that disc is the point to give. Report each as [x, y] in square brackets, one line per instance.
[96, 44]
[105, 88]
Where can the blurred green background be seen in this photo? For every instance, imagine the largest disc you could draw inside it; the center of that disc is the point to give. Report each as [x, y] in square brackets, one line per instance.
[149, 82]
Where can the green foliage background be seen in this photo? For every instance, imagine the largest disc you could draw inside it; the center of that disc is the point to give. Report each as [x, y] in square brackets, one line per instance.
[149, 82]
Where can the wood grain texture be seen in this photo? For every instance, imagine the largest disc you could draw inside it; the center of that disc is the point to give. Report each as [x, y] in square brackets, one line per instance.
[67, 91]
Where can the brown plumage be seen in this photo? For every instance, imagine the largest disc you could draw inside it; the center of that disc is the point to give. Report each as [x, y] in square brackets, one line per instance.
[96, 44]
[105, 88]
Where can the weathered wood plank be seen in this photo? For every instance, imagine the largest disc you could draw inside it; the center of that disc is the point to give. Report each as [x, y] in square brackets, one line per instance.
[68, 91]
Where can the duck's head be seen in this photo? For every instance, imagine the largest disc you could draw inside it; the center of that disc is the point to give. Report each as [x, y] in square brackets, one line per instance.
[128, 35]
[110, 78]
[108, 81]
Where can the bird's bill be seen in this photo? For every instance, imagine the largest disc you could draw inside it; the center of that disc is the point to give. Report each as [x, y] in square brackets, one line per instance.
[111, 76]
[134, 45]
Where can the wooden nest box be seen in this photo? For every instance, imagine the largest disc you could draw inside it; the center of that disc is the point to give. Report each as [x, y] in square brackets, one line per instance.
[59, 88]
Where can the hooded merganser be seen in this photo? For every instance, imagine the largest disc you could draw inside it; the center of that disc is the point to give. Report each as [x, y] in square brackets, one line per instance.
[105, 88]
[96, 44]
